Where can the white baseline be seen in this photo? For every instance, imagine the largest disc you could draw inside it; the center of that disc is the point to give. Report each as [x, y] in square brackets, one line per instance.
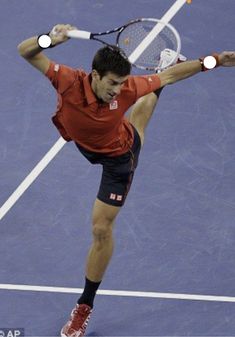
[172, 296]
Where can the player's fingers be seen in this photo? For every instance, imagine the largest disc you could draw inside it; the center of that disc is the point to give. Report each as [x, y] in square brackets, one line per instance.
[60, 29]
[56, 30]
[70, 27]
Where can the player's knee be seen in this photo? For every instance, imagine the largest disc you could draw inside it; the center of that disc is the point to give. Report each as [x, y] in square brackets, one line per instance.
[102, 231]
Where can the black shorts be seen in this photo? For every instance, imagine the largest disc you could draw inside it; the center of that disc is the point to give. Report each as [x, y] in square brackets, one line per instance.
[117, 173]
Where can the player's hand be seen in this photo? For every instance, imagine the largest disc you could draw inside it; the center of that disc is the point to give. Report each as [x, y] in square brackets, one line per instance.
[58, 33]
[227, 58]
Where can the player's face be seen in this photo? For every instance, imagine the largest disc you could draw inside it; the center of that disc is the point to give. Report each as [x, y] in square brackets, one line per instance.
[107, 87]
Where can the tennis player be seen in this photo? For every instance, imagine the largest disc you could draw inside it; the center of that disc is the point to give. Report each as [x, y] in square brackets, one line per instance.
[90, 112]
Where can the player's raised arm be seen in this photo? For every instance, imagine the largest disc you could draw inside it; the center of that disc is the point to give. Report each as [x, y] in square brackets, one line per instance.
[189, 68]
[31, 49]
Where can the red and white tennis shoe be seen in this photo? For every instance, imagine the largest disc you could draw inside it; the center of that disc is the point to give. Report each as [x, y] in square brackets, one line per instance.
[77, 324]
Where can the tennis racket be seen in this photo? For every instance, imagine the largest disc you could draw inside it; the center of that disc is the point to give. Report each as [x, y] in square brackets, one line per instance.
[157, 34]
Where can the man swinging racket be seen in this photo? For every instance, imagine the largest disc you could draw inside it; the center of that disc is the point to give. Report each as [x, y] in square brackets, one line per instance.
[91, 109]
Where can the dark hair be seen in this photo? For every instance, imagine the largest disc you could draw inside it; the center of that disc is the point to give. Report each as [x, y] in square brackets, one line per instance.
[111, 59]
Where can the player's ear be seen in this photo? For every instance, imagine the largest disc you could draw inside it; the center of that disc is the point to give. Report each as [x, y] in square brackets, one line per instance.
[95, 75]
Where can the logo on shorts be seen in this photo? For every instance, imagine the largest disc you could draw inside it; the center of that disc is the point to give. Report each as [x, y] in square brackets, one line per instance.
[115, 197]
[113, 105]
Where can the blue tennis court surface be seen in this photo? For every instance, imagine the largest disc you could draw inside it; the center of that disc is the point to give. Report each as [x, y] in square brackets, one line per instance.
[176, 232]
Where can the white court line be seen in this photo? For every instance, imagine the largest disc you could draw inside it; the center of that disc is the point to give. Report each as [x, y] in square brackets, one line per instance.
[31, 177]
[172, 296]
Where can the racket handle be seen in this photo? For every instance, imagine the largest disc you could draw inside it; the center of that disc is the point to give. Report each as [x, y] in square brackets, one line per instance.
[79, 34]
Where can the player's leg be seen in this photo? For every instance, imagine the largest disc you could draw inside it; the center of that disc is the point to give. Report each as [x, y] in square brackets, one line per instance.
[98, 259]
[145, 106]
[116, 180]
[102, 247]
[142, 112]
[115, 184]
[101, 250]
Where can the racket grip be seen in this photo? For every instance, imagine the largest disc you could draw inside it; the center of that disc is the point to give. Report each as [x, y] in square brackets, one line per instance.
[79, 34]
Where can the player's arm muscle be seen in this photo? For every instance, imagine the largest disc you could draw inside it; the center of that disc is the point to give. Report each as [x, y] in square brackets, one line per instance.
[32, 53]
[179, 72]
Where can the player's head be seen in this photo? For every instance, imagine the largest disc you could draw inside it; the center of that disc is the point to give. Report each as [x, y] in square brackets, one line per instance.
[111, 59]
[110, 69]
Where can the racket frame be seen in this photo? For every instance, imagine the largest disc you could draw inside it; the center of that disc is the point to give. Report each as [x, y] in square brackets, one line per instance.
[164, 24]
[80, 34]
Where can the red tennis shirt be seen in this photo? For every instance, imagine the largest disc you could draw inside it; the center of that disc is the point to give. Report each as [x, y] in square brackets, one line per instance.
[97, 127]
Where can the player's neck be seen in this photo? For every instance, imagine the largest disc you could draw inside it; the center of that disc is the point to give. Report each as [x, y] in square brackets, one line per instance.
[94, 89]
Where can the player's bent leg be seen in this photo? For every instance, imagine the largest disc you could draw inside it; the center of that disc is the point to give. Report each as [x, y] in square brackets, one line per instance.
[102, 247]
[142, 113]
[144, 107]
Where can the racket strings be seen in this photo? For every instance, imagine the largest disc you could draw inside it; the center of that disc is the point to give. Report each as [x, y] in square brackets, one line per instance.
[132, 35]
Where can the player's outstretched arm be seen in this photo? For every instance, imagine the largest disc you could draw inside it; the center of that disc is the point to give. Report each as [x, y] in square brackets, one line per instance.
[189, 68]
[32, 52]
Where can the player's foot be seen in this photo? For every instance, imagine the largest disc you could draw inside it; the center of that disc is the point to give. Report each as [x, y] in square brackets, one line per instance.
[77, 324]
[167, 55]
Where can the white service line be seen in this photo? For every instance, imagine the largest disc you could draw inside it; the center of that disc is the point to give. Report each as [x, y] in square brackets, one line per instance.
[172, 296]
[156, 30]
[31, 177]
